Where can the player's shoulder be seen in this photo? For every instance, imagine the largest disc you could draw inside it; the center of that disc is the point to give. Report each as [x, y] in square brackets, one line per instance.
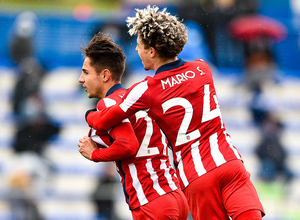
[117, 95]
[112, 99]
[142, 81]
[139, 86]
[200, 62]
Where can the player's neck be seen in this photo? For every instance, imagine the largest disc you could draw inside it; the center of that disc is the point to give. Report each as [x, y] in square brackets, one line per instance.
[106, 87]
[111, 84]
[163, 62]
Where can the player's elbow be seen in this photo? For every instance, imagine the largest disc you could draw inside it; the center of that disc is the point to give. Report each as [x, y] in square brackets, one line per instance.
[130, 148]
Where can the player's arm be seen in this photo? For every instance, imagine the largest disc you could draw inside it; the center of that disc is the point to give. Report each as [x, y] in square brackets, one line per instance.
[106, 119]
[136, 98]
[125, 145]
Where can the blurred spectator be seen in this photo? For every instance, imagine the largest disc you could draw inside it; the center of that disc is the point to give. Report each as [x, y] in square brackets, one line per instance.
[33, 135]
[30, 74]
[258, 34]
[271, 152]
[104, 195]
[258, 106]
[24, 30]
[21, 199]
[34, 128]
[29, 71]
[260, 67]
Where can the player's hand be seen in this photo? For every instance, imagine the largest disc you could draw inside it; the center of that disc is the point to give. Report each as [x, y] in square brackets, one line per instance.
[88, 112]
[86, 147]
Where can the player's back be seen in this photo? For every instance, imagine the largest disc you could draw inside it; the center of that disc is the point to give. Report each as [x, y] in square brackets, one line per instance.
[181, 98]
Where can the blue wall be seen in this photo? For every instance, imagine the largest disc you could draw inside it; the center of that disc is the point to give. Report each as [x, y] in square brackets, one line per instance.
[59, 38]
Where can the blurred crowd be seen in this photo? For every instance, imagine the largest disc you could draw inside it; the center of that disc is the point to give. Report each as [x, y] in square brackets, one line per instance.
[210, 24]
[31, 169]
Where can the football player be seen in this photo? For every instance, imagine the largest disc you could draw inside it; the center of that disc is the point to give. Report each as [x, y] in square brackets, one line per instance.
[136, 144]
[182, 99]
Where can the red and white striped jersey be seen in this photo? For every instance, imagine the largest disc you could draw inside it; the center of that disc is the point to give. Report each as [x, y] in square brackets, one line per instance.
[181, 98]
[149, 174]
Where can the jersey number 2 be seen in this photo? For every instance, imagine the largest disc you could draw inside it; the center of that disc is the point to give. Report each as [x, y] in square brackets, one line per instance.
[208, 114]
[145, 150]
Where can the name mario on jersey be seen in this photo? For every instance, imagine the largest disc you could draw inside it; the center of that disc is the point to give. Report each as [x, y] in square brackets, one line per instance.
[179, 78]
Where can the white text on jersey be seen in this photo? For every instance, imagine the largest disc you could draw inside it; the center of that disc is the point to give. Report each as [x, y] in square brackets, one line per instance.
[179, 78]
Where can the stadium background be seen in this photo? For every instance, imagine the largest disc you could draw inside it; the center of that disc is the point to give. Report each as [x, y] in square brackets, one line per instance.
[64, 26]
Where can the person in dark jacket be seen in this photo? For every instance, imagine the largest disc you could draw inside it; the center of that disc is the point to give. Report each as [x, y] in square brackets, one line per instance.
[271, 152]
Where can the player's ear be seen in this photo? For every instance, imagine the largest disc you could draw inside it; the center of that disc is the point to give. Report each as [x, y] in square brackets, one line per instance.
[152, 52]
[106, 75]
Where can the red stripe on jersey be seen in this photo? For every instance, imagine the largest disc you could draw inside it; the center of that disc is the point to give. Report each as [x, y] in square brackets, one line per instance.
[149, 174]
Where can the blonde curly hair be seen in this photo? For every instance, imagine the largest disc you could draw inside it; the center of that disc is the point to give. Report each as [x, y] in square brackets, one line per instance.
[158, 29]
